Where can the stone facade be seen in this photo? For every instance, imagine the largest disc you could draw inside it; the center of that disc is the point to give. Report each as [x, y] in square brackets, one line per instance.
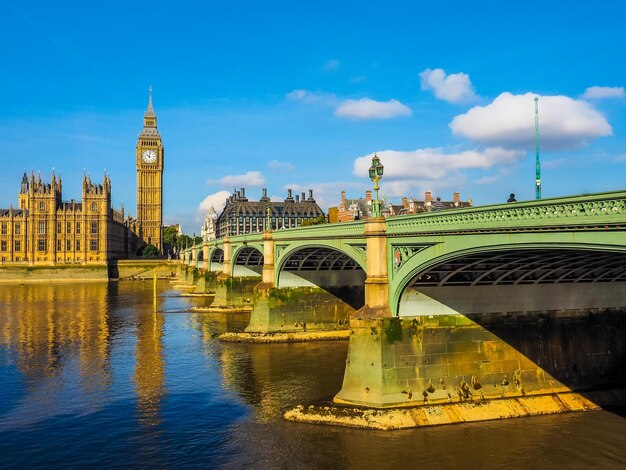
[243, 216]
[208, 230]
[149, 157]
[47, 230]
[44, 229]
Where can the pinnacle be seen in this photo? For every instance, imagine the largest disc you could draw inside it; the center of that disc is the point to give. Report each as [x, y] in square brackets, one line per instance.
[150, 110]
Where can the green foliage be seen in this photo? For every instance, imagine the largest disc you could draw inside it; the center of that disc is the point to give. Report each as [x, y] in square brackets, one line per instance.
[170, 235]
[184, 241]
[317, 221]
[150, 251]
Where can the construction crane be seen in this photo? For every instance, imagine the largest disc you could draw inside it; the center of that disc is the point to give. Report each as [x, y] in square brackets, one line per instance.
[537, 163]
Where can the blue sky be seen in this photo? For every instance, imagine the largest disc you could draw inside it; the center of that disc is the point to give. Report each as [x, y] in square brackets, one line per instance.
[300, 94]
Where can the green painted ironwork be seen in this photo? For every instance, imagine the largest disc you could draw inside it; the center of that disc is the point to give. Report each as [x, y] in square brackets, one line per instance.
[376, 173]
[416, 242]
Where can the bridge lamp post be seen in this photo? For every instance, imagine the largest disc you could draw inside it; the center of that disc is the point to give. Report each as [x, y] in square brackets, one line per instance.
[376, 173]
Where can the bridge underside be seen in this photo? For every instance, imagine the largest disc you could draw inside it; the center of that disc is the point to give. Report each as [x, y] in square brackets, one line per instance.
[518, 281]
[248, 263]
[529, 266]
[328, 269]
[216, 261]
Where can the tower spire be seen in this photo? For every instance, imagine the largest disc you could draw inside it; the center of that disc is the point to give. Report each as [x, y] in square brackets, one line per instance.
[537, 163]
[150, 110]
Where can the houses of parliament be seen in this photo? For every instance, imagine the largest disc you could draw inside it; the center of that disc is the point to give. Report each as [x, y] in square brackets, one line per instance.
[44, 229]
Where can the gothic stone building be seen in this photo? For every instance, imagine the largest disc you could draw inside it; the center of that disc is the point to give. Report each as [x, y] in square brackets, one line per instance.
[45, 229]
[243, 216]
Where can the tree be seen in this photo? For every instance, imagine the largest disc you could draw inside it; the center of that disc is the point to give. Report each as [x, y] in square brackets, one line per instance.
[170, 235]
[318, 220]
[150, 251]
[184, 241]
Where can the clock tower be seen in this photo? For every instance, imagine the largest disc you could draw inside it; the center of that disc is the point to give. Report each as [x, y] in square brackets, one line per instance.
[149, 161]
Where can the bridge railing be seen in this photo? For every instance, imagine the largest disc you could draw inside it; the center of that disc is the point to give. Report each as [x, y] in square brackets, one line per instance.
[336, 230]
[591, 209]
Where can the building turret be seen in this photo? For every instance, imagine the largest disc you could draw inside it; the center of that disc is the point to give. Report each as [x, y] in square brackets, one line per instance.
[24, 185]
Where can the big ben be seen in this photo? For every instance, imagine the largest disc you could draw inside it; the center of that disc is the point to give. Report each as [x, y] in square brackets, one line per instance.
[149, 160]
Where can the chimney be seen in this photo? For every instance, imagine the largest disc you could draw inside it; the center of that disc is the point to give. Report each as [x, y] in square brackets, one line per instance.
[456, 198]
[302, 196]
[243, 192]
[264, 198]
[289, 196]
[368, 196]
[428, 198]
[405, 203]
[343, 197]
[310, 194]
[297, 198]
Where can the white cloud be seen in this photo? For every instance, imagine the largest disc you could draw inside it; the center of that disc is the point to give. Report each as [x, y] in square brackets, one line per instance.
[556, 163]
[366, 108]
[277, 165]
[313, 97]
[251, 178]
[454, 88]
[486, 180]
[331, 64]
[621, 158]
[509, 121]
[433, 163]
[217, 200]
[602, 92]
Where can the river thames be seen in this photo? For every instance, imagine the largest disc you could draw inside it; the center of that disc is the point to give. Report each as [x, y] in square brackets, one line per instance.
[91, 376]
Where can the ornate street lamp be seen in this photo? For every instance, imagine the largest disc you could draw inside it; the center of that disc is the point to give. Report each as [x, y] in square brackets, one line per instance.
[376, 173]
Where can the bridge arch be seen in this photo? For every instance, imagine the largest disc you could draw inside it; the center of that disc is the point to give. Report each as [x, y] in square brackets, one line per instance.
[247, 261]
[329, 268]
[506, 278]
[216, 259]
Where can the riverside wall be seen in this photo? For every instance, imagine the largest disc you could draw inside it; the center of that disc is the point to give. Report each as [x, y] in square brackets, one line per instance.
[118, 270]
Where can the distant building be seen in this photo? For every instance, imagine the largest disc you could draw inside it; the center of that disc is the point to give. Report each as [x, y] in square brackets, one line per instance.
[361, 209]
[243, 216]
[47, 230]
[208, 231]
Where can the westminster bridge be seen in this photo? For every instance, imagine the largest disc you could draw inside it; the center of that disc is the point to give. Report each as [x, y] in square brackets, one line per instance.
[514, 299]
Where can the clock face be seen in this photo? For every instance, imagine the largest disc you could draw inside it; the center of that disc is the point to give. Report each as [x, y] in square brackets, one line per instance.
[149, 156]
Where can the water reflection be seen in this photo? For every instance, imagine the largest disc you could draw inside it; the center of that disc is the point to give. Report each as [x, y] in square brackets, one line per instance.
[149, 365]
[57, 337]
[91, 376]
[39, 322]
